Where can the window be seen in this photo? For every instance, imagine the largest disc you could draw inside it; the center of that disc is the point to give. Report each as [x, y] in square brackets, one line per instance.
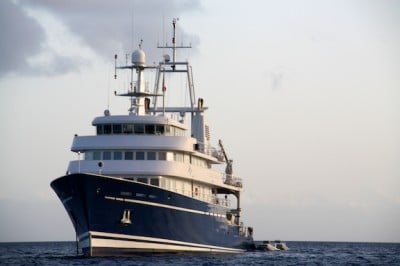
[160, 129]
[117, 155]
[107, 129]
[179, 132]
[149, 129]
[99, 129]
[167, 130]
[88, 156]
[186, 158]
[162, 155]
[129, 155]
[142, 180]
[140, 155]
[96, 155]
[139, 129]
[178, 157]
[155, 182]
[117, 129]
[106, 155]
[151, 155]
[127, 129]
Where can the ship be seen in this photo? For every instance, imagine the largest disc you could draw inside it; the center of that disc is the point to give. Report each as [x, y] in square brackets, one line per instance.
[150, 181]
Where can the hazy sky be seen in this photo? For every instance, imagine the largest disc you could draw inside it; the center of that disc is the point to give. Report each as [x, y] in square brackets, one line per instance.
[304, 94]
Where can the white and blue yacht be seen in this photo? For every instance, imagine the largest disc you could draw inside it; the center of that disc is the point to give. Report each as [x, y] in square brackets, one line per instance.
[148, 181]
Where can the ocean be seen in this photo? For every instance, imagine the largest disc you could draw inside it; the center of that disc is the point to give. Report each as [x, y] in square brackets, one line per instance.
[300, 253]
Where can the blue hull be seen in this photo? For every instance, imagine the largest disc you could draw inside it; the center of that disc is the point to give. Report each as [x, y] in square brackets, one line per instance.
[116, 216]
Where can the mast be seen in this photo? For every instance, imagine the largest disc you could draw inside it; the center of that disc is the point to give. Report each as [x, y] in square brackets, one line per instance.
[174, 42]
[175, 65]
[137, 92]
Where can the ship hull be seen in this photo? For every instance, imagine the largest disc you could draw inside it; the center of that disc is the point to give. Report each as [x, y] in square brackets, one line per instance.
[114, 216]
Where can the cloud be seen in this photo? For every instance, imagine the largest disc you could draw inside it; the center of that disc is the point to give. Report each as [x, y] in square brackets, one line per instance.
[105, 27]
[22, 37]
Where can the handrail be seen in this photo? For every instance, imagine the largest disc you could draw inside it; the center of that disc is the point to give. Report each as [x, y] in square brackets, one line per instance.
[232, 180]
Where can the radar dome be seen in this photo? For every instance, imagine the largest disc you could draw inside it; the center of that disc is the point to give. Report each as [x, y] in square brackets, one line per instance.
[138, 58]
[167, 58]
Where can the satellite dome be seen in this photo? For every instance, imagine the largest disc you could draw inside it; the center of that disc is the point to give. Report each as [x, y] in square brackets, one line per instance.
[167, 58]
[138, 58]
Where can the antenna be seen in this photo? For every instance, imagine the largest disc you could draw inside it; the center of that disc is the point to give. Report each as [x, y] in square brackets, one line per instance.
[174, 46]
[115, 66]
[133, 24]
[174, 42]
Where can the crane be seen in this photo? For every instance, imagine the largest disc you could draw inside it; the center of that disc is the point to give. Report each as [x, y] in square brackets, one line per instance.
[229, 168]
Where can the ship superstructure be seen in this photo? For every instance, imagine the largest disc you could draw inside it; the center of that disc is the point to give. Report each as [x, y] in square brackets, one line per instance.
[147, 182]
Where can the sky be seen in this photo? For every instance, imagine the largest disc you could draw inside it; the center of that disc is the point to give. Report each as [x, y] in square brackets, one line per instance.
[304, 94]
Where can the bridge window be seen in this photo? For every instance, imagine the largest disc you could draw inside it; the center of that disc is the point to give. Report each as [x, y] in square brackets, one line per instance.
[149, 129]
[139, 129]
[117, 129]
[160, 129]
[107, 129]
[127, 128]
[99, 129]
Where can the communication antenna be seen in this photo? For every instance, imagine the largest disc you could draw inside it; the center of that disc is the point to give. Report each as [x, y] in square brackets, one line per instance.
[174, 46]
[133, 24]
[174, 41]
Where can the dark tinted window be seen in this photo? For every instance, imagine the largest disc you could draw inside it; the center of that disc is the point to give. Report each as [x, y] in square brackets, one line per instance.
[96, 155]
[139, 129]
[128, 155]
[160, 129]
[99, 129]
[117, 129]
[162, 155]
[155, 182]
[149, 129]
[151, 155]
[117, 155]
[106, 155]
[140, 155]
[107, 129]
[127, 129]
[142, 180]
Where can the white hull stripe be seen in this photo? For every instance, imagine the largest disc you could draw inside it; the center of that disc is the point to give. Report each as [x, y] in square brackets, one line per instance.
[110, 240]
[164, 206]
[153, 247]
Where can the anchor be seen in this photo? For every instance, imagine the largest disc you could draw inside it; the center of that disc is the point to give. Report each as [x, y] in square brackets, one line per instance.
[126, 217]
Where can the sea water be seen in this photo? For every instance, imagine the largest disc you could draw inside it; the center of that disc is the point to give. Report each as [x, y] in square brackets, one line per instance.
[300, 253]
